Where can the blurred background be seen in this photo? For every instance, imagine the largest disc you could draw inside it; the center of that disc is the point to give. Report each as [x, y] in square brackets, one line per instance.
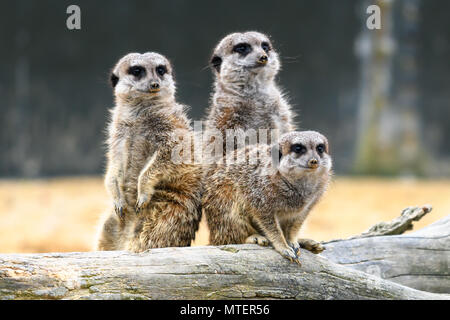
[381, 96]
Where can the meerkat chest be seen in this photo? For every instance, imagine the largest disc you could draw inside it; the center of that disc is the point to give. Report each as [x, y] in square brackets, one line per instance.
[294, 197]
[296, 212]
[255, 114]
[293, 203]
[299, 203]
[142, 138]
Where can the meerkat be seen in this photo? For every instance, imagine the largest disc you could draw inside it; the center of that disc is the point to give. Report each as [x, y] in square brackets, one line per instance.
[267, 200]
[156, 200]
[245, 95]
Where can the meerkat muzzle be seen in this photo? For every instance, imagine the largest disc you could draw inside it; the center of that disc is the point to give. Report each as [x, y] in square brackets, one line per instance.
[154, 87]
[313, 163]
[263, 60]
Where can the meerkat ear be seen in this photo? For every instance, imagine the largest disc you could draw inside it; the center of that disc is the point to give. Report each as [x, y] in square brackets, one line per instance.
[216, 62]
[114, 80]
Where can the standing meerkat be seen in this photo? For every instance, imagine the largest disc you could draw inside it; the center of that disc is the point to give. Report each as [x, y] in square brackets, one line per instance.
[156, 200]
[245, 94]
[267, 200]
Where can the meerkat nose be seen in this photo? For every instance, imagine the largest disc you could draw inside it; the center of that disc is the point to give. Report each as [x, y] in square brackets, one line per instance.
[154, 86]
[263, 59]
[313, 163]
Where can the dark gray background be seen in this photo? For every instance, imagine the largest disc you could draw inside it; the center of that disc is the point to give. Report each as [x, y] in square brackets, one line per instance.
[55, 94]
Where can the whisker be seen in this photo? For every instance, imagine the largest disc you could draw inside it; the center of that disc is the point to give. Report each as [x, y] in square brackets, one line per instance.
[294, 57]
[205, 68]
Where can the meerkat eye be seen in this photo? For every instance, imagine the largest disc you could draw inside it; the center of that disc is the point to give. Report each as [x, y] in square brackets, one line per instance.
[320, 148]
[242, 48]
[161, 70]
[137, 71]
[298, 148]
[266, 47]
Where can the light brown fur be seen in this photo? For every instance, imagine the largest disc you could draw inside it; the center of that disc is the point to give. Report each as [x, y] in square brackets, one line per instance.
[260, 202]
[156, 201]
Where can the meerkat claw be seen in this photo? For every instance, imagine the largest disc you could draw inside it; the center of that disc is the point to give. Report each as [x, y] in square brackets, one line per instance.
[291, 255]
[138, 208]
[119, 211]
[141, 203]
[296, 246]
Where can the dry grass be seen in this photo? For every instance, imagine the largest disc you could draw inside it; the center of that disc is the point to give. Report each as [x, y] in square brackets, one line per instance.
[62, 214]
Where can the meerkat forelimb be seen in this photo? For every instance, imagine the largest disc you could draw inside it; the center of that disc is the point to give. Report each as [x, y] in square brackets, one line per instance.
[148, 179]
[269, 199]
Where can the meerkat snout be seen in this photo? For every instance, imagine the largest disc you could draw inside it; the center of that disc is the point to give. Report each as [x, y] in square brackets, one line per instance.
[263, 59]
[154, 87]
[313, 163]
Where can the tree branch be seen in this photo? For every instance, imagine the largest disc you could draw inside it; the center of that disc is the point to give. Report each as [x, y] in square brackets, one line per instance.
[397, 226]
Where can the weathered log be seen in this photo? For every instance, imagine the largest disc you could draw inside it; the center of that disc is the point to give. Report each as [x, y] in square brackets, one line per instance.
[227, 272]
[419, 260]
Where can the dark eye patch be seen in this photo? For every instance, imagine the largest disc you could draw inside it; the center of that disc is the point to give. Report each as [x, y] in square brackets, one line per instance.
[266, 47]
[321, 148]
[161, 70]
[216, 62]
[242, 48]
[137, 71]
[298, 148]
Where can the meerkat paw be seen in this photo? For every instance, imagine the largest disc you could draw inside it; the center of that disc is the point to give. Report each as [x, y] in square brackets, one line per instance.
[120, 208]
[257, 239]
[308, 244]
[290, 254]
[142, 202]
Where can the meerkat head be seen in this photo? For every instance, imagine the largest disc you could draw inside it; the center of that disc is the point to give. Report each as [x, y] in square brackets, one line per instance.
[240, 56]
[147, 76]
[303, 153]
